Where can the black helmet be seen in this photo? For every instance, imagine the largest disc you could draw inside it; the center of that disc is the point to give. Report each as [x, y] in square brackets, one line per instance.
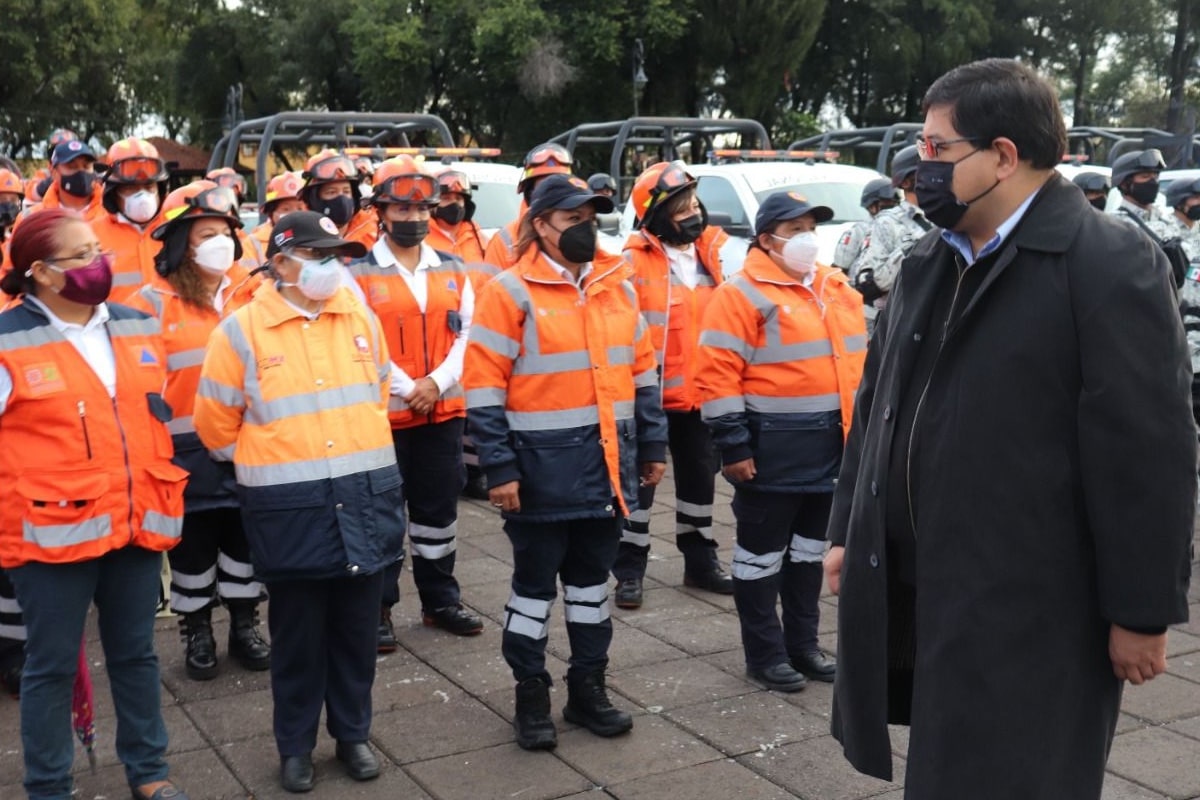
[1181, 189]
[1138, 161]
[879, 190]
[904, 164]
[1092, 182]
[602, 180]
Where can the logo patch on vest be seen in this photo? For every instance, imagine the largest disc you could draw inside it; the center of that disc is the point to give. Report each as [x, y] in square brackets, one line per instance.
[451, 285]
[43, 379]
[266, 362]
[147, 358]
[379, 293]
[360, 342]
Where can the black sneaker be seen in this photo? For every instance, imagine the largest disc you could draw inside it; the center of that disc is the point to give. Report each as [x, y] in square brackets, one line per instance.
[455, 619]
[629, 593]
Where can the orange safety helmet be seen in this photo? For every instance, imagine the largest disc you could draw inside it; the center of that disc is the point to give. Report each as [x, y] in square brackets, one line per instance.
[654, 187]
[455, 181]
[545, 159]
[129, 161]
[230, 179]
[183, 206]
[284, 186]
[10, 183]
[401, 180]
[329, 166]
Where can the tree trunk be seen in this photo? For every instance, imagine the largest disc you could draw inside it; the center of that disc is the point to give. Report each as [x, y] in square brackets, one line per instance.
[1182, 53]
[1082, 115]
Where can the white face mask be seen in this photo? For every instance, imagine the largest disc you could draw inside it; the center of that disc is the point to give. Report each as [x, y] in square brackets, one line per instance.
[319, 279]
[215, 255]
[800, 253]
[141, 206]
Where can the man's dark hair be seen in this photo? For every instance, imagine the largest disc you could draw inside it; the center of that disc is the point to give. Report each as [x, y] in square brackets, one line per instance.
[1002, 97]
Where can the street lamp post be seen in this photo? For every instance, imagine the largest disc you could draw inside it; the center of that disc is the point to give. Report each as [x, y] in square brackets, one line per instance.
[639, 74]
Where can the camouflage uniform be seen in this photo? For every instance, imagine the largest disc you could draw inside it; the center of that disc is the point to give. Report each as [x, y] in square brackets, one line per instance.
[851, 245]
[893, 233]
[1158, 221]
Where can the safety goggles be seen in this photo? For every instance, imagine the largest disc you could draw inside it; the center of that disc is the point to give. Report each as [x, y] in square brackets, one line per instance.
[549, 155]
[138, 169]
[930, 149]
[335, 168]
[1095, 182]
[454, 182]
[408, 189]
[234, 182]
[218, 201]
[1150, 160]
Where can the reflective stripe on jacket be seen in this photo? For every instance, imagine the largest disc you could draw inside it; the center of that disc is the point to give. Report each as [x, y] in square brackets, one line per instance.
[185, 333]
[562, 389]
[133, 253]
[779, 365]
[673, 311]
[417, 340]
[300, 406]
[90, 473]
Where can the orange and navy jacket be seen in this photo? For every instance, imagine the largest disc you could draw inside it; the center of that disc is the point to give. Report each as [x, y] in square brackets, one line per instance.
[300, 407]
[185, 332]
[562, 389]
[92, 212]
[90, 473]
[779, 365]
[468, 245]
[673, 311]
[363, 227]
[418, 341]
[133, 252]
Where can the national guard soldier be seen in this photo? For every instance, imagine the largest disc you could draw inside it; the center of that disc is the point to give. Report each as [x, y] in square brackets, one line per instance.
[1136, 175]
[1095, 188]
[878, 195]
[1183, 196]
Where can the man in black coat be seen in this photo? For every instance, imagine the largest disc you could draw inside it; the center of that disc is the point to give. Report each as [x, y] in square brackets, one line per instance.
[1012, 524]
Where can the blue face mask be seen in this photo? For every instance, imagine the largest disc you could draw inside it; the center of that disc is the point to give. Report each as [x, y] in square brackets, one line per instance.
[78, 184]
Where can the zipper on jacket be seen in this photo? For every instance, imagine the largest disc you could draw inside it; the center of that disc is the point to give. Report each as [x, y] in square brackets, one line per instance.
[912, 433]
[401, 325]
[87, 440]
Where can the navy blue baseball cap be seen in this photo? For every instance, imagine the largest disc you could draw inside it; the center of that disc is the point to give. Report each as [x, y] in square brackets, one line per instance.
[566, 192]
[69, 151]
[788, 205]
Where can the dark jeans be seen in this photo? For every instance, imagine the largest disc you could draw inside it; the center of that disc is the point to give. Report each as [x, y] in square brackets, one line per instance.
[323, 642]
[581, 552]
[55, 598]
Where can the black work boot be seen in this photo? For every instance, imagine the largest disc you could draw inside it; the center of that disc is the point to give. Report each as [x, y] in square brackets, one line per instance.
[532, 722]
[588, 705]
[245, 643]
[201, 655]
[702, 570]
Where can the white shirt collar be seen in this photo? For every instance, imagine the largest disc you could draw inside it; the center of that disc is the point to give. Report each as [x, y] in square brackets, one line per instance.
[99, 316]
[386, 258]
[566, 273]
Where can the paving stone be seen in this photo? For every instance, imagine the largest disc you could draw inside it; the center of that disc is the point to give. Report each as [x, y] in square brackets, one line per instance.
[1156, 758]
[1164, 699]
[815, 769]
[749, 723]
[698, 635]
[1188, 727]
[234, 718]
[231, 680]
[654, 745]
[665, 605]
[1192, 626]
[407, 684]
[676, 683]
[505, 771]
[1180, 642]
[199, 773]
[713, 780]
[438, 729]
[1116, 788]
[1186, 666]
[182, 737]
[632, 647]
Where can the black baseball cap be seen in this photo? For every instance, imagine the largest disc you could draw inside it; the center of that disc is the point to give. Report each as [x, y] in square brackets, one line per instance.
[566, 192]
[788, 205]
[310, 229]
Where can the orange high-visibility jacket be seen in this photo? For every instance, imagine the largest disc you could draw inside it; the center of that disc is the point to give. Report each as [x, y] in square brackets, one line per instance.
[185, 333]
[500, 250]
[673, 311]
[562, 389]
[133, 252]
[363, 227]
[93, 211]
[89, 473]
[466, 241]
[417, 341]
[300, 407]
[779, 365]
[254, 252]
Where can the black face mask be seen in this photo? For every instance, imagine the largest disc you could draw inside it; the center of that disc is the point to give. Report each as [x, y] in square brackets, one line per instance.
[409, 232]
[1144, 193]
[935, 196]
[1099, 203]
[9, 212]
[451, 214]
[685, 231]
[78, 184]
[578, 242]
[340, 209]
[1193, 213]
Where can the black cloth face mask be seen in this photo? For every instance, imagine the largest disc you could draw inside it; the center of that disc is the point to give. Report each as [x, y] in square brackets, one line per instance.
[935, 196]
[451, 214]
[340, 209]
[409, 232]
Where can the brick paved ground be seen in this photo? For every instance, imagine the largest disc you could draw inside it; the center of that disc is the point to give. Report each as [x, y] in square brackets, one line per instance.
[443, 709]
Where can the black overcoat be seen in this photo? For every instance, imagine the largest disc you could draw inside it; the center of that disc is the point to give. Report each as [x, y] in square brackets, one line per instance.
[1057, 496]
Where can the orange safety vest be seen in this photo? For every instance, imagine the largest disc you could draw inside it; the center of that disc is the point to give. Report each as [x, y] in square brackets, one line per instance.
[465, 241]
[673, 311]
[562, 360]
[418, 341]
[133, 253]
[91, 473]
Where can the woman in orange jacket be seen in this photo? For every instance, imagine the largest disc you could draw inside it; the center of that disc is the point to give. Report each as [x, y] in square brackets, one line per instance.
[781, 356]
[562, 399]
[199, 282]
[677, 267]
[85, 447]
